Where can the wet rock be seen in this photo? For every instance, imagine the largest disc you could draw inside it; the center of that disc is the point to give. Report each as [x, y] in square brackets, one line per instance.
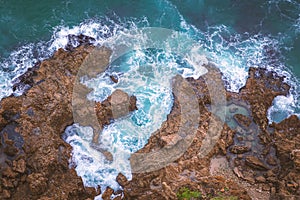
[35, 123]
[242, 120]
[120, 103]
[77, 40]
[107, 193]
[114, 78]
[233, 109]
[189, 170]
[47, 105]
[255, 163]
[117, 105]
[122, 180]
[10, 149]
[287, 140]
[239, 149]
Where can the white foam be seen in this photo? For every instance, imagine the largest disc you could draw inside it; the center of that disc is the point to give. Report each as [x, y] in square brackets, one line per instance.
[235, 55]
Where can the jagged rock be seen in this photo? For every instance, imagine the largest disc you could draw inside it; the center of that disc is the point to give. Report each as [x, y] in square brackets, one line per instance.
[114, 79]
[239, 149]
[242, 120]
[107, 193]
[19, 166]
[287, 140]
[118, 104]
[255, 163]
[8, 172]
[122, 180]
[237, 172]
[192, 171]
[37, 183]
[250, 179]
[40, 118]
[295, 156]
[266, 187]
[76, 40]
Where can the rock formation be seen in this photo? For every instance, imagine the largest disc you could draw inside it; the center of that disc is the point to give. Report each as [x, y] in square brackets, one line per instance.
[34, 159]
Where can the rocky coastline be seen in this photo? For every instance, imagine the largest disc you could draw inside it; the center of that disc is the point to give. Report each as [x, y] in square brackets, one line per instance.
[35, 159]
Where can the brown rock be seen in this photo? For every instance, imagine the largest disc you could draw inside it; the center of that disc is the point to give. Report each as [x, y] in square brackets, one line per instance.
[122, 180]
[37, 183]
[114, 79]
[266, 187]
[250, 179]
[239, 149]
[8, 172]
[40, 118]
[255, 163]
[260, 179]
[7, 183]
[19, 166]
[107, 193]
[295, 156]
[118, 104]
[271, 160]
[189, 170]
[6, 194]
[121, 104]
[242, 120]
[46, 110]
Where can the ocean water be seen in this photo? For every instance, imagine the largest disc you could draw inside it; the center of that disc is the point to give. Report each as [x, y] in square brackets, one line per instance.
[235, 35]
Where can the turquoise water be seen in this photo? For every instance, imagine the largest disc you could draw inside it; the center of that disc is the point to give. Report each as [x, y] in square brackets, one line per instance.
[234, 34]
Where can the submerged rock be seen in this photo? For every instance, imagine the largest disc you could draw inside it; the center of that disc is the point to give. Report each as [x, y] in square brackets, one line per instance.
[243, 120]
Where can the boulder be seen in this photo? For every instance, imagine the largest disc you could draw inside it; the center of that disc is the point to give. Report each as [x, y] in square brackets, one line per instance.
[255, 163]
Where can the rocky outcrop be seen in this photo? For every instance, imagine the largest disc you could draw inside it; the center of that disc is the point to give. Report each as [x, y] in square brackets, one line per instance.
[273, 158]
[118, 104]
[287, 144]
[189, 171]
[34, 159]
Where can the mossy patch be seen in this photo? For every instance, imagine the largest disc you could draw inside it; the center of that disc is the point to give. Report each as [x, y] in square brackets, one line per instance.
[186, 194]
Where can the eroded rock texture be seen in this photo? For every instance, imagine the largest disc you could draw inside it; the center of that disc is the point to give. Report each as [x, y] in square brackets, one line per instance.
[34, 158]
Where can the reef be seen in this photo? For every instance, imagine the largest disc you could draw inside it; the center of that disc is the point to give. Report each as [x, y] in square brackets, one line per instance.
[34, 160]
